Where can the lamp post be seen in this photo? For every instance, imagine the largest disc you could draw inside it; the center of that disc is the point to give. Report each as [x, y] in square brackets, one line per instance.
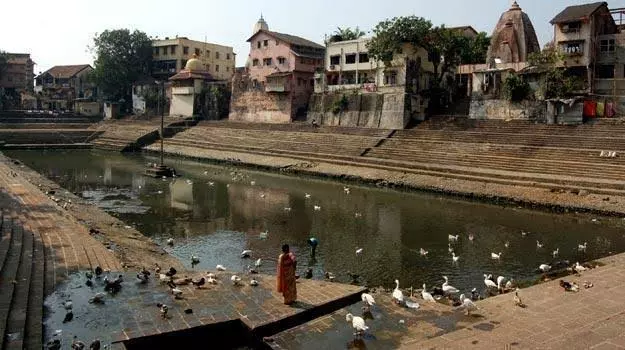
[161, 170]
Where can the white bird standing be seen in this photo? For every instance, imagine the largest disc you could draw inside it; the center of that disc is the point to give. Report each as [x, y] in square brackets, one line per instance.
[317, 208]
[467, 304]
[582, 247]
[358, 323]
[579, 268]
[367, 300]
[177, 292]
[500, 285]
[358, 251]
[453, 238]
[423, 252]
[489, 283]
[454, 258]
[495, 256]
[448, 289]
[398, 296]
[538, 245]
[555, 252]
[220, 268]
[427, 296]
[307, 196]
[258, 262]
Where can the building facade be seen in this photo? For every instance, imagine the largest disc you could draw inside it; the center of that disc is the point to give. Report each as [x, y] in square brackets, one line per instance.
[170, 56]
[16, 82]
[277, 82]
[60, 86]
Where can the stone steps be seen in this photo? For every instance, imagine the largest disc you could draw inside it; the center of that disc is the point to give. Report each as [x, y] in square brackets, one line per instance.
[33, 333]
[8, 276]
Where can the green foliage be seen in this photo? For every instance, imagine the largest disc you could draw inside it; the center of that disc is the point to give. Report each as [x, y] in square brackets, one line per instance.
[390, 35]
[152, 97]
[516, 89]
[344, 34]
[340, 105]
[121, 58]
[548, 56]
[556, 83]
[474, 50]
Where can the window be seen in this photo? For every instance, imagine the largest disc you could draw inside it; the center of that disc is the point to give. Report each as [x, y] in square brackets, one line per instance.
[335, 60]
[217, 55]
[185, 50]
[350, 58]
[281, 60]
[605, 71]
[572, 48]
[255, 62]
[227, 56]
[216, 68]
[164, 50]
[173, 49]
[265, 43]
[258, 44]
[390, 77]
[198, 52]
[157, 51]
[267, 61]
[299, 81]
[607, 46]
[363, 57]
[208, 53]
[573, 27]
[208, 67]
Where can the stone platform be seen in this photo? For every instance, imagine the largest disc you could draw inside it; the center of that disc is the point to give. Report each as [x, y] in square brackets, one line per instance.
[132, 317]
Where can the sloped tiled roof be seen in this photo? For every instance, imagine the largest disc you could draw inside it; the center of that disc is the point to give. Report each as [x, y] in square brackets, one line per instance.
[65, 72]
[575, 13]
[291, 39]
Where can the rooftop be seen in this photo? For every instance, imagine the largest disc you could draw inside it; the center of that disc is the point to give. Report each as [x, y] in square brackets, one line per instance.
[291, 39]
[64, 72]
[578, 12]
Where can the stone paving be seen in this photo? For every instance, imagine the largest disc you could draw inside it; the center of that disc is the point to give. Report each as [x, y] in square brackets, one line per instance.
[133, 312]
[592, 318]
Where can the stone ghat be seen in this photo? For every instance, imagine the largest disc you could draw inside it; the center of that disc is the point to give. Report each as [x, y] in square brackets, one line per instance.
[221, 313]
[551, 166]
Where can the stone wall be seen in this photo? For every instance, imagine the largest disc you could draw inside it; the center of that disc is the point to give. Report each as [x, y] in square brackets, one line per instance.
[367, 110]
[506, 110]
[252, 104]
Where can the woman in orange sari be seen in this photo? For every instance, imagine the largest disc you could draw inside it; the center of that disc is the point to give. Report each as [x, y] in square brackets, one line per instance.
[286, 275]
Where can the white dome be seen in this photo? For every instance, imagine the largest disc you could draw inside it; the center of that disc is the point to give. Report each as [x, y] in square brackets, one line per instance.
[260, 25]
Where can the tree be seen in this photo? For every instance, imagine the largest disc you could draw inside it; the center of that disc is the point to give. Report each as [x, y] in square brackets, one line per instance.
[515, 88]
[121, 58]
[390, 35]
[344, 34]
[554, 80]
[474, 50]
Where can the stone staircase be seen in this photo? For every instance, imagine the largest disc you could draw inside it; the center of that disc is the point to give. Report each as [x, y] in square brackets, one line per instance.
[22, 283]
[509, 153]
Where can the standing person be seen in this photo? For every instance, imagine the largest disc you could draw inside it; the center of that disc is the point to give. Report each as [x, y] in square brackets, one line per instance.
[286, 275]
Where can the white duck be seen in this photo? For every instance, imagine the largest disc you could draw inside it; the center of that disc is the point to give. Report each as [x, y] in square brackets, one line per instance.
[495, 256]
[507, 244]
[317, 208]
[246, 253]
[538, 245]
[264, 235]
[307, 196]
[467, 304]
[358, 323]
[582, 247]
[258, 262]
[489, 283]
[544, 267]
[236, 280]
[423, 252]
[453, 238]
[359, 251]
[254, 282]
[398, 296]
[447, 289]
[454, 258]
[170, 241]
[220, 268]
[579, 268]
[555, 252]
[346, 190]
[177, 292]
[500, 284]
[367, 300]
[427, 296]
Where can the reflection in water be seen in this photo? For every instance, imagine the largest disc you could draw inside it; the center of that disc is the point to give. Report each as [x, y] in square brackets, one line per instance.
[215, 217]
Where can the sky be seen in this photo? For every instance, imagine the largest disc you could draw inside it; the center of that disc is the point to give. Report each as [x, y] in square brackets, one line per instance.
[59, 32]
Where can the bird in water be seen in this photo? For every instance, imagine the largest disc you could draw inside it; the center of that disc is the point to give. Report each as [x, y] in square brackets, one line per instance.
[263, 235]
[98, 298]
[453, 238]
[307, 196]
[220, 268]
[507, 244]
[170, 241]
[423, 252]
[582, 247]
[95, 345]
[368, 301]
[544, 267]
[524, 233]
[77, 344]
[195, 260]
[309, 273]
[471, 237]
[163, 309]
[142, 278]
[317, 208]
[98, 271]
[495, 256]
[359, 251]
[68, 317]
[467, 304]
[113, 286]
[427, 296]
[454, 257]
[555, 252]
[358, 324]
[258, 262]
[538, 245]
[246, 253]
[313, 243]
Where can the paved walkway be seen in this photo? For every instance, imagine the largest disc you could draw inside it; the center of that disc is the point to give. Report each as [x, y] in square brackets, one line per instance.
[592, 318]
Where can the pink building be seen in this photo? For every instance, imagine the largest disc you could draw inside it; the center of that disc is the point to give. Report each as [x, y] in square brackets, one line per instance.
[278, 80]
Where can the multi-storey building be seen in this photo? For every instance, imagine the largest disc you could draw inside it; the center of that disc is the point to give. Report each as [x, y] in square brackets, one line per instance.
[18, 75]
[170, 56]
[59, 87]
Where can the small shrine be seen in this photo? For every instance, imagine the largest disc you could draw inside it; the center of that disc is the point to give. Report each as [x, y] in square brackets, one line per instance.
[186, 86]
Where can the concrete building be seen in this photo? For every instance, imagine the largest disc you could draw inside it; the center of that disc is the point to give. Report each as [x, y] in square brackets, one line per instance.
[186, 87]
[59, 87]
[170, 56]
[348, 67]
[277, 82]
[16, 81]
